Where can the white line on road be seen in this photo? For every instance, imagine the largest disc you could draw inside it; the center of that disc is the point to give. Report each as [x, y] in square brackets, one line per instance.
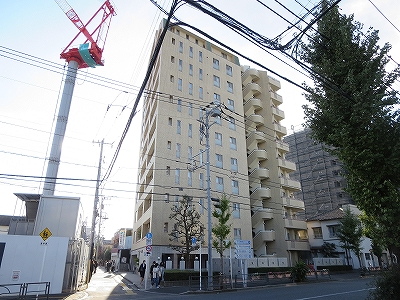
[335, 294]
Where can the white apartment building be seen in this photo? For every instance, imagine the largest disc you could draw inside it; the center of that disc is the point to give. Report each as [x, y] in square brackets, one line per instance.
[190, 75]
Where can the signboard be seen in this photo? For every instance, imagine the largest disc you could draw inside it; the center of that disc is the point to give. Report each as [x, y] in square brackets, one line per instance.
[149, 248]
[194, 241]
[243, 249]
[45, 234]
[149, 235]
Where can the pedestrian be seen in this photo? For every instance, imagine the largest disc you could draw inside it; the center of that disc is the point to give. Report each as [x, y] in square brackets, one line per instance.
[155, 275]
[162, 268]
[108, 265]
[95, 264]
[142, 271]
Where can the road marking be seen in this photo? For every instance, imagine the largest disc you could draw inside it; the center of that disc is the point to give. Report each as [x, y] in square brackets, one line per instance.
[126, 289]
[335, 294]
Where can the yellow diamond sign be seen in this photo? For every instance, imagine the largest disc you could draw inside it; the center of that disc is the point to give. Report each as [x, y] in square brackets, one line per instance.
[45, 234]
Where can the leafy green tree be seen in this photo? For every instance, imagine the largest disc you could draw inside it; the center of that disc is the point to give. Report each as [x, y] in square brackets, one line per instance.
[186, 226]
[222, 229]
[350, 234]
[329, 249]
[352, 109]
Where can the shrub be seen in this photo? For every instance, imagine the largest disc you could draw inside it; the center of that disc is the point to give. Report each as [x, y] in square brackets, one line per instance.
[387, 285]
[299, 272]
[178, 275]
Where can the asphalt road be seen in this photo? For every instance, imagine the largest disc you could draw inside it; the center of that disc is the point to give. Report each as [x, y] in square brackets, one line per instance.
[110, 286]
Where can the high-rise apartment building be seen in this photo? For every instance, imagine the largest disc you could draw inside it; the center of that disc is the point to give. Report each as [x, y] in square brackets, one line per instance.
[247, 156]
[277, 228]
[319, 173]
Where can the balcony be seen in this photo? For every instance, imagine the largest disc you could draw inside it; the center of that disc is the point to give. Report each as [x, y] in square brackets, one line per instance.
[262, 237]
[276, 98]
[275, 84]
[249, 75]
[282, 146]
[280, 129]
[286, 165]
[253, 104]
[261, 214]
[259, 173]
[255, 137]
[259, 154]
[279, 114]
[254, 119]
[290, 184]
[295, 224]
[252, 89]
[299, 245]
[259, 194]
[293, 203]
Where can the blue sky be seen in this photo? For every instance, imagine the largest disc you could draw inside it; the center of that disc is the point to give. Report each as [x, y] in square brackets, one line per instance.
[30, 91]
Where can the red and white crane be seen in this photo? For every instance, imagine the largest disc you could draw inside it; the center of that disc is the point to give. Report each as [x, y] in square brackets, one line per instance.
[87, 54]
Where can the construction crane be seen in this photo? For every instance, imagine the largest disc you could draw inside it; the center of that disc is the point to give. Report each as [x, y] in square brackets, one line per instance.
[88, 54]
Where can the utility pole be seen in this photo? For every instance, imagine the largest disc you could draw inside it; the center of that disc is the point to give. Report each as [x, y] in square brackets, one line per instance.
[210, 112]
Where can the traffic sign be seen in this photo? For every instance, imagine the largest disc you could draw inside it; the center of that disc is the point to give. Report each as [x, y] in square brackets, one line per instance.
[242, 242]
[149, 235]
[194, 241]
[149, 248]
[149, 242]
[45, 234]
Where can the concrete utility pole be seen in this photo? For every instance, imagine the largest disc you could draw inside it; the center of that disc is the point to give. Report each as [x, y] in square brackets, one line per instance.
[210, 112]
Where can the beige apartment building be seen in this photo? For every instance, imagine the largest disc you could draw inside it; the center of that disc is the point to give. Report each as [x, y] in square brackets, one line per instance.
[277, 228]
[247, 163]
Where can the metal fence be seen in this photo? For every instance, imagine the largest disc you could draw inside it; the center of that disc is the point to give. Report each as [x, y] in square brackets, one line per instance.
[25, 290]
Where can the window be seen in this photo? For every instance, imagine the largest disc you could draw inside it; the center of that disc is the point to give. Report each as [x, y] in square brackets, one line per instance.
[200, 112]
[224, 55]
[231, 123]
[179, 107]
[178, 127]
[200, 56]
[178, 32]
[169, 145]
[200, 92]
[220, 184]
[201, 204]
[190, 129]
[187, 36]
[234, 164]
[175, 230]
[190, 88]
[217, 98]
[172, 59]
[201, 180]
[166, 227]
[190, 51]
[190, 109]
[167, 198]
[236, 210]
[232, 142]
[237, 234]
[178, 150]
[218, 139]
[196, 41]
[337, 183]
[235, 187]
[317, 231]
[171, 78]
[229, 86]
[201, 74]
[190, 178]
[216, 81]
[173, 41]
[180, 47]
[231, 104]
[179, 84]
[180, 65]
[171, 98]
[190, 152]
[170, 121]
[333, 230]
[218, 161]
[215, 63]
[168, 170]
[190, 69]
[228, 70]
[177, 176]
[217, 120]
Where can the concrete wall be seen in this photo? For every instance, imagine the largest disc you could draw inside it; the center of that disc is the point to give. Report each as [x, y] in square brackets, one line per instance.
[31, 259]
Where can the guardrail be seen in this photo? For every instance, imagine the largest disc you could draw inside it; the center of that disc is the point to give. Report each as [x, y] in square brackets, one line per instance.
[25, 290]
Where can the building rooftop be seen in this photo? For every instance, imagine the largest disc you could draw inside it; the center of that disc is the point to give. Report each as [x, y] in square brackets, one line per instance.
[334, 214]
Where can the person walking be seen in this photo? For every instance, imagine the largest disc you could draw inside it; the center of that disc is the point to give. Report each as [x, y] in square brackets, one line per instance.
[142, 271]
[155, 275]
[161, 272]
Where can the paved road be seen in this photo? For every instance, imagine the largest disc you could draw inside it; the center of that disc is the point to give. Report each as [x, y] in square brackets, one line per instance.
[110, 286]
